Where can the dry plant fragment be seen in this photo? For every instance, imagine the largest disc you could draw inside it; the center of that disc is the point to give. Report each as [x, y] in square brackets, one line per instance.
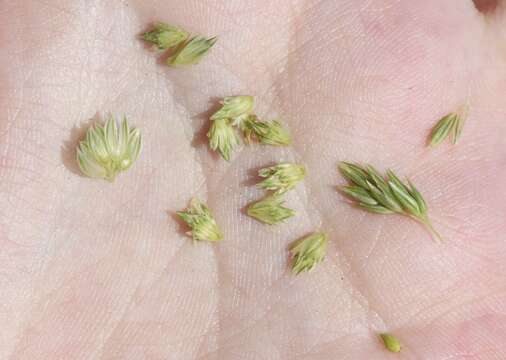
[270, 210]
[385, 194]
[191, 51]
[165, 36]
[282, 177]
[391, 342]
[451, 126]
[222, 137]
[199, 218]
[109, 149]
[308, 252]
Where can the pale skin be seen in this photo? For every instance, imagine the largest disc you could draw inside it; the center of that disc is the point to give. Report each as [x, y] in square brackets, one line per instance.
[98, 270]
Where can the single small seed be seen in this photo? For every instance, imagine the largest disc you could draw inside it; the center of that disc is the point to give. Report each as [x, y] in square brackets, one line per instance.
[450, 125]
[391, 342]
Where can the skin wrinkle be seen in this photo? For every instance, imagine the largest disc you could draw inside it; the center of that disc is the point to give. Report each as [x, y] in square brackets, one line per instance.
[470, 253]
[271, 308]
[326, 224]
[258, 321]
[462, 304]
[456, 307]
[311, 352]
[450, 309]
[375, 241]
[18, 347]
[211, 201]
[136, 300]
[254, 324]
[13, 117]
[380, 228]
[325, 220]
[250, 63]
[297, 155]
[215, 251]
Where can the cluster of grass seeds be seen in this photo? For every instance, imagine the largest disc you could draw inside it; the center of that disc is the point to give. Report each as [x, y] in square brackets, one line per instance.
[236, 116]
[111, 148]
[185, 49]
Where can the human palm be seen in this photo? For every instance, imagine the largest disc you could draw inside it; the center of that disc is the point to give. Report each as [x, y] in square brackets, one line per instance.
[98, 270]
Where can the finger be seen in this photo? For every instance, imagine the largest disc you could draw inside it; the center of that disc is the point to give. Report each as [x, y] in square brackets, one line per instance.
[487, 6]
[492, 14]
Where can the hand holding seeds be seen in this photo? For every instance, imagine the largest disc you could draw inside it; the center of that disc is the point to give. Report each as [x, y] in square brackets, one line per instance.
[236, 126]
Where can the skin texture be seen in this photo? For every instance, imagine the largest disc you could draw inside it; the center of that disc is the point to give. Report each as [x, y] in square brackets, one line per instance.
[94, 270]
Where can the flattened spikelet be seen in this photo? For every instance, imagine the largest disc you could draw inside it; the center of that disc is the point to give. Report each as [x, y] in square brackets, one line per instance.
[384, 194]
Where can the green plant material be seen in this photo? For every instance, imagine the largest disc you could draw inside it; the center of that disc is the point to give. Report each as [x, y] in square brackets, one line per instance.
[282, 177]
[165, 36]
[459, 126]
[234, 107]
[201, 221]
[270, 210]
[450, 125]
[222, 137]
[391, 342]
[191, 51]
[308, 252]
[442, 129]
[385, 194]
[267, 133]
[109, 149]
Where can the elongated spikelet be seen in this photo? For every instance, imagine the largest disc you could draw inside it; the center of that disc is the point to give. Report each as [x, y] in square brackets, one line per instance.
[385, 194]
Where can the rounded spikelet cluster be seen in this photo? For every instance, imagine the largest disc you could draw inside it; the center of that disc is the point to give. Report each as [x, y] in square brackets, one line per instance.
[199, 218]
[270, 210]
[234, 107]
[308, 252]
[222, 137]
[266, 132]
[237, 112]
[108, 149]
[282, 177]
[165, 36]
